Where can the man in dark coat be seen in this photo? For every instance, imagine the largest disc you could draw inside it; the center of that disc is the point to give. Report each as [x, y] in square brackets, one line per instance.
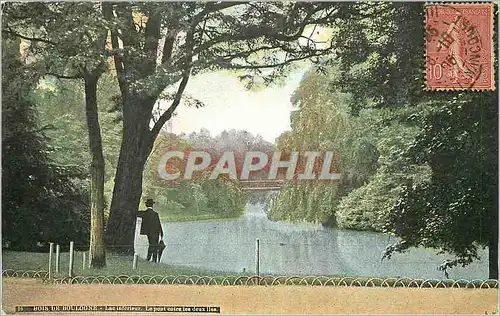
[151, 227]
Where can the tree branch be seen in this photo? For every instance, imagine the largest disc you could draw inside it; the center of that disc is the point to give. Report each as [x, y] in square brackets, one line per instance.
[33, 39]
[168, 46]
[152, 35]
[266, 31]
[246, 53]
[64, 76]
[107, 9]
[270, 65]
[226, 60]
[171, 109]
[124, 11]
[255, 33]
[213, 7]
[185, 77]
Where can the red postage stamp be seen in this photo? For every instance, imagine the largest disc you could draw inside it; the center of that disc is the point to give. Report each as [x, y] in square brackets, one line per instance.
[459, 46]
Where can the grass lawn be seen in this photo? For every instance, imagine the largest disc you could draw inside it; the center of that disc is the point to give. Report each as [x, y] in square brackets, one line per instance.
[115, 265]
[122, 265]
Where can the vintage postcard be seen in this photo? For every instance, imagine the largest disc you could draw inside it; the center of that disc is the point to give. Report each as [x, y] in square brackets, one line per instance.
[268, 157]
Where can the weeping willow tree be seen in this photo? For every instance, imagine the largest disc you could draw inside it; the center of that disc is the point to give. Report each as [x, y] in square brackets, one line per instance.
[368, 146]
[369, 206]
[321, 123]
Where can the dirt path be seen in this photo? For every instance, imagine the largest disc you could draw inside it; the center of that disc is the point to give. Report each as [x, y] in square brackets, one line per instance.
[258, 299]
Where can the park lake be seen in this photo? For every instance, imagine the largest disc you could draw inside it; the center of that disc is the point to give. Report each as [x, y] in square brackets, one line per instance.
[296, 249]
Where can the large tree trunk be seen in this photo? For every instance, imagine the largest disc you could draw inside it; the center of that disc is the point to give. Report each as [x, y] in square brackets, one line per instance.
[127, 192]
[97, 253]
[138, 139]
[135, 148]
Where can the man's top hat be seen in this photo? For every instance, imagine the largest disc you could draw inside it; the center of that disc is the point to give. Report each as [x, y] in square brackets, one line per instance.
[150, 202]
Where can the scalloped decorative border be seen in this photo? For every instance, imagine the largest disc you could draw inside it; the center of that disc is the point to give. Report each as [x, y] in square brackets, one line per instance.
[256, 280]
[492, 70]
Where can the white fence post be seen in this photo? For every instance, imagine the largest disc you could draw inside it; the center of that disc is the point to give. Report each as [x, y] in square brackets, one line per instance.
[90, 258]
[58, 253]
[70, 272]
[51, 250]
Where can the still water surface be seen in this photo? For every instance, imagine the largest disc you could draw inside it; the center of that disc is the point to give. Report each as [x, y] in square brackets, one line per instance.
[296, 249]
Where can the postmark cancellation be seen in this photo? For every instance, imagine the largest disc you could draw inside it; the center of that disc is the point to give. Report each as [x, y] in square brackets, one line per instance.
[459, 46]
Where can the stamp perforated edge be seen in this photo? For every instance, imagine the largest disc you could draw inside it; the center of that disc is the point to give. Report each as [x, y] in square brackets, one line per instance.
[492, 87]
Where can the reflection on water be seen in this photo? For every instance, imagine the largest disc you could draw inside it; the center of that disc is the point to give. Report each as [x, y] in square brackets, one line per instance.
[296, 249]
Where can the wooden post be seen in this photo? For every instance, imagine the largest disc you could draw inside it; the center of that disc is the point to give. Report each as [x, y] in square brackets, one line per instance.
[134, 262]
[58, 253]
[51, 250]
[257, 257]
[83, 260]
[70, 271]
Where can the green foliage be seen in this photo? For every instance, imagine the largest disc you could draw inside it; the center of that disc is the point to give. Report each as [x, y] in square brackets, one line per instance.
[368, 207]
[224, 198]
[381, 54]
[454, 208]
[264, 39]
[433, 154]
[66, 39]
[322, 122]
[61, 105]
[200, 198]
[456, 211]
[305, 202]
[41, 203]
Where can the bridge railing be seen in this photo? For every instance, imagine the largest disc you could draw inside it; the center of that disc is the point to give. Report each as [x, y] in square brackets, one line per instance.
[261, 185]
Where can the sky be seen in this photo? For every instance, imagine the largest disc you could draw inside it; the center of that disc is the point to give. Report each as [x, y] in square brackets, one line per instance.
[229, 105]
